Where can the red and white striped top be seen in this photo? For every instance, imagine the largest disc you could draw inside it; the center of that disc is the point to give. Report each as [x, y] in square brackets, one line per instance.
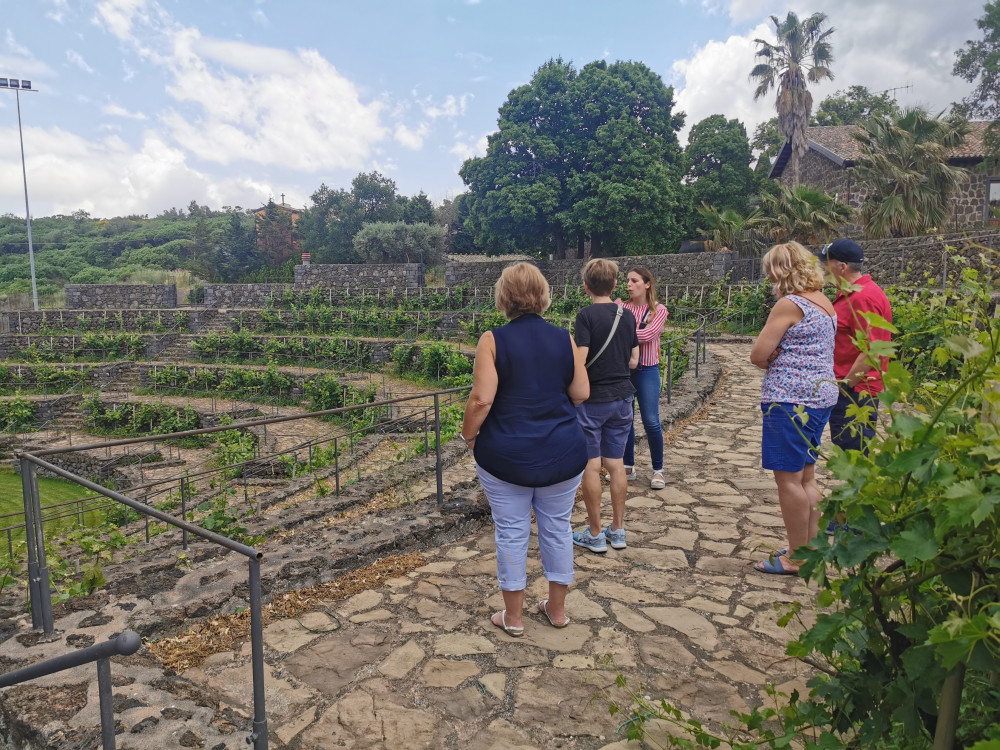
[650, 334]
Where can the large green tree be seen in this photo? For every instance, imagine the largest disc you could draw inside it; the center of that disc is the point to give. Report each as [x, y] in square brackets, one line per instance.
[717, 164]
[801, 55]
[398, 242]
[978, 62]
[854, 105]
[580, 154]
[903, 171]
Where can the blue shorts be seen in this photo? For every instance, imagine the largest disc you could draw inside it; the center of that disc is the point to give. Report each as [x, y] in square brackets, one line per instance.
[605, 427]
[786, 443]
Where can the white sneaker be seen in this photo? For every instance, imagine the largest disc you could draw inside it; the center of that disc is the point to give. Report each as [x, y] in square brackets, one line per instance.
[630, 473]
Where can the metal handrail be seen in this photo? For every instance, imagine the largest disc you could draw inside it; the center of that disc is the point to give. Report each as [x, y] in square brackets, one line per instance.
[125, 644]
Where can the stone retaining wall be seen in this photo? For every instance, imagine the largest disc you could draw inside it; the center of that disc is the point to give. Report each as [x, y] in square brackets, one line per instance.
[224, 296]
[348, 276]
[120, 296]
[66, 344]
[133, 320]
[691, 268]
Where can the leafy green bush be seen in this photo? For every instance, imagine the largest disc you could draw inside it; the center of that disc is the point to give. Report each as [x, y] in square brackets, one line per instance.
[16, 415]
[136, 418]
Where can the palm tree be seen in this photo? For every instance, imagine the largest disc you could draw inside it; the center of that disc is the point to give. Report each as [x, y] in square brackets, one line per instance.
[803, 214]
[722, 227]
[802, 53]
[904, 174]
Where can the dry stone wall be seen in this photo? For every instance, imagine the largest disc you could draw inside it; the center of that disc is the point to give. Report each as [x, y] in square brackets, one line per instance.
[27, 321]
[357, 276]
[225, 296]
[120, 296]
[693, 268]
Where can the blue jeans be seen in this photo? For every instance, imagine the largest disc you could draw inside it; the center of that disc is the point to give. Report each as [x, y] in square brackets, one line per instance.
[511, 506]
[646, 379]
[850, 433]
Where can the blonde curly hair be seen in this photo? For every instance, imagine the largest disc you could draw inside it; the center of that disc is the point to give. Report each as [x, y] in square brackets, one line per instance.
[792, 269]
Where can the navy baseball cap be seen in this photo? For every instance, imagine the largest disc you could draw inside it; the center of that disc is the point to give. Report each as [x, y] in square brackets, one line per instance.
[843, 249]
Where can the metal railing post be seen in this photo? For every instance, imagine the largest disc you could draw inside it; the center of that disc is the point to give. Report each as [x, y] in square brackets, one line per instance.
[336, 465]
[184, 534]
[28, 477]
[670, 369]
[42, 586]
[259, 735]
[437, 462]
[106, 706]
[697, 343]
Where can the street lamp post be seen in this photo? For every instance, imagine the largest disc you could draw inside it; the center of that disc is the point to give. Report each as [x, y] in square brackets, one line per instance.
[18, 86]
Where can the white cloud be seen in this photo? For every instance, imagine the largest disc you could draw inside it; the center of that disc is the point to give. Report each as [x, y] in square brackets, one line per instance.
[260, 17]
[118, 111]
[920, 50]
[129, 74]
[411, 139]
[239, 101]
[465, 149]
[475, 58]
[11, 45]
[76, 59]
[715, 82]
[451, 107]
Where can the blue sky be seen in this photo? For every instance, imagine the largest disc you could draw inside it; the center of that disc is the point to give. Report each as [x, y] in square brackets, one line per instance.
[148, 104]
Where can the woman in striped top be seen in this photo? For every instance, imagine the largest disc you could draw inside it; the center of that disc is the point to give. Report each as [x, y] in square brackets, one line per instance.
[650, 317]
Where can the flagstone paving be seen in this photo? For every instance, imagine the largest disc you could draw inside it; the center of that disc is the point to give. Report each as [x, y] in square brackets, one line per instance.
[680, 611]
[416, 662]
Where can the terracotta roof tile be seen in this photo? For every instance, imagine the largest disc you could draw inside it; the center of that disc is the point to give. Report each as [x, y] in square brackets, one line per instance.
[836, 143]
[838, 140]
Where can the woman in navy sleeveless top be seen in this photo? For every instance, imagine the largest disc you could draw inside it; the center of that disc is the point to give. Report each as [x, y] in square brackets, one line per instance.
[520, 421]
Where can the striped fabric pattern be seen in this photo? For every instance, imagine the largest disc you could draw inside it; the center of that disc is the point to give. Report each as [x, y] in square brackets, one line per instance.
[649, 337]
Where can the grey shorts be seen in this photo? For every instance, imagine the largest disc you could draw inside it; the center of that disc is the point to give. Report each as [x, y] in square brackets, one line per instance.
[606, 427]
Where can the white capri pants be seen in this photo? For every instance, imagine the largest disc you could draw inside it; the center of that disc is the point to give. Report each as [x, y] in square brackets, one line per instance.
[511, 505]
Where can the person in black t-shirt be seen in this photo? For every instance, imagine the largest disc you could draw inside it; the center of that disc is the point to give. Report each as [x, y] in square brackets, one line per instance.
[605, 335]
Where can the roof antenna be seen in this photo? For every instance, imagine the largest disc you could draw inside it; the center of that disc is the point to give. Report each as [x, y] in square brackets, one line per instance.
[893, 91]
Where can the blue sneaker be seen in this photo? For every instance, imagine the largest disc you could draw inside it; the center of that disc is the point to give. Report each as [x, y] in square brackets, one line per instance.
[616, 538]
[593, 543]
[834, 526]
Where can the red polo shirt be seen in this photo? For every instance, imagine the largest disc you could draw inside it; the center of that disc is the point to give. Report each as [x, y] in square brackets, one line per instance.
[869, 298]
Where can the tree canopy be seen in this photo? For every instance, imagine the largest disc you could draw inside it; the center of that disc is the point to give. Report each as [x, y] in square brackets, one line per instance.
[854, 105]
[580, 154]
[717, 164]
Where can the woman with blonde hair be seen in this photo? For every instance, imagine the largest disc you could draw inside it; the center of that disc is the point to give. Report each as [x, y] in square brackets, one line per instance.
[521, 424]
[795, 349]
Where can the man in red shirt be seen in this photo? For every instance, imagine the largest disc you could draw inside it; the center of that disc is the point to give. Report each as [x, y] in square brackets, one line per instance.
[860, 383]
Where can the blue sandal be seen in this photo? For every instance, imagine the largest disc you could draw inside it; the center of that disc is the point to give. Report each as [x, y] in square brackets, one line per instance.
[774, 568]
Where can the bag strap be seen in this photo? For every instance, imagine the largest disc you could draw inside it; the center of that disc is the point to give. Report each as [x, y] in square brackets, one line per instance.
[614, 327]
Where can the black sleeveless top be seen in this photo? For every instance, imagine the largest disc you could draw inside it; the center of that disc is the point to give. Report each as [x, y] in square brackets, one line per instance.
[531, 437]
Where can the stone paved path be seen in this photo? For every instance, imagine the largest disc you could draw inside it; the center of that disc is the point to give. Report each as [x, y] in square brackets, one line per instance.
[417, 663]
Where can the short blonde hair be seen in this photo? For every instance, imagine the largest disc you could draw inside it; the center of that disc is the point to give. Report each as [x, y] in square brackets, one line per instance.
[791, 269]
[601, 276]
[520, 290]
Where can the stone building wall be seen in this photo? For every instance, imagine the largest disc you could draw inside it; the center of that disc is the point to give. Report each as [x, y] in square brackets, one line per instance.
[360, 275]
[120, 296]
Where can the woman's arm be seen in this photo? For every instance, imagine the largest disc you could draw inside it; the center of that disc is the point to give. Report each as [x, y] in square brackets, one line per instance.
[654, 328]
[784, 315]
[579, 389]
[484, 388]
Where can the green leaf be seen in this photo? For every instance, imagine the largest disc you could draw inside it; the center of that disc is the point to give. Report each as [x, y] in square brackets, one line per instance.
[967, 346]
[916, 544]
[877, 321]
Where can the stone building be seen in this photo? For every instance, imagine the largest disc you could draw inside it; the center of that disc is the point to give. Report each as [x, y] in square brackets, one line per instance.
[833, 150]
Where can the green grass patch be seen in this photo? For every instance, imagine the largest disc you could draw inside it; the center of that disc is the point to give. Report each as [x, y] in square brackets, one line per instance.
[51, 492]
